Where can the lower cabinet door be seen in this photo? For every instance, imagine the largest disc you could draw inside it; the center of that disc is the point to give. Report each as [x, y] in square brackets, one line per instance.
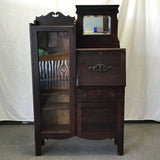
[97, 120]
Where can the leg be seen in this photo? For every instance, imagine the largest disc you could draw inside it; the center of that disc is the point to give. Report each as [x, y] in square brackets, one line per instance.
[38, 143]
[115, 141]
[43, 142]
[120, 145]
[120, 127]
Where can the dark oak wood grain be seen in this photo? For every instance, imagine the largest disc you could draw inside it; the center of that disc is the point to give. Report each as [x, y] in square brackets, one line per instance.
[101, 41]
[54, 18]
[100, 79]
[88, 60]
[54, 105]
[78, 81]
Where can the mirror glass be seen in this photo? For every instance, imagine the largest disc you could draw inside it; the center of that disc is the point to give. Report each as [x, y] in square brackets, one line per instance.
[96, 25]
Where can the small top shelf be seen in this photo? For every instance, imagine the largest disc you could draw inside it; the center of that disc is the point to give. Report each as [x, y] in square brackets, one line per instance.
[99, 49]
[54, 57]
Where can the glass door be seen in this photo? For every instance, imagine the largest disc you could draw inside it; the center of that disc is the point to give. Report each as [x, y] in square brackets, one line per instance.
[54, 78]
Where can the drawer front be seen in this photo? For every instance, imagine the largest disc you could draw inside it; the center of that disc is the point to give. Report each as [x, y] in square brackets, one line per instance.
[101, 68]
[95, 119]
[99, 94]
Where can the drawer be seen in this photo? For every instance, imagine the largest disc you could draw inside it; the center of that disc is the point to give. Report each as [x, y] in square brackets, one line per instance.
[101, 67]
[99, 93]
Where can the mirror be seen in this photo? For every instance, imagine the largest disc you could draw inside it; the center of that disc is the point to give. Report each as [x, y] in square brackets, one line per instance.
[96, 25]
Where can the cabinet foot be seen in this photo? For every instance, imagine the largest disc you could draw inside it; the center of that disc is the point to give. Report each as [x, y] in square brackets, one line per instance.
[38, 151]
[43, 142]
[120, 146]
[115, 141]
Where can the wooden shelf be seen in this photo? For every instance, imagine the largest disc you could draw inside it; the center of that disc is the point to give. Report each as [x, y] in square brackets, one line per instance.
[53, 90]
[56, 106]
[60, 78]
[54, 57]
[65, 128]
[52, 98]
[100, 49]
[50, 84]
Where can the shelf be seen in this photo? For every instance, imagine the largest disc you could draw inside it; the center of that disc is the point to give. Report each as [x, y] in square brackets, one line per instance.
[52, 116]
[56, 106]
[49, 84]
[100, 49]
[56, 128]
[60, 78]
[53, 90]
[51, 98]
[54, 57]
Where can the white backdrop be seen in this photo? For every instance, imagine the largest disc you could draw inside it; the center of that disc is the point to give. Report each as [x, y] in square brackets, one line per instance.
[139, 26]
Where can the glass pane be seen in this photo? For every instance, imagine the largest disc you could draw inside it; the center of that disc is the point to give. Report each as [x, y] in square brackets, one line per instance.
[55, 120]
[96, 25]
[53, 50]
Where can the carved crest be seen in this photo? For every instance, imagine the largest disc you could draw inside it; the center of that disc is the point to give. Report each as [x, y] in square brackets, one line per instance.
[53, 18]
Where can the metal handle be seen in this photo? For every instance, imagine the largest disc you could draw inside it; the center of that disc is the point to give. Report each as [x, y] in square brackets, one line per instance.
[100, 68]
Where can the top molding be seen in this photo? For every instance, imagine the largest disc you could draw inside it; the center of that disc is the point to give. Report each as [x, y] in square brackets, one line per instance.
[90, 9]
[54, 18]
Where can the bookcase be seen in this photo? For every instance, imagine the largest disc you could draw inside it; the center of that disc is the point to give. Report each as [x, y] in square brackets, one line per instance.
[78, 75]
[53, 73]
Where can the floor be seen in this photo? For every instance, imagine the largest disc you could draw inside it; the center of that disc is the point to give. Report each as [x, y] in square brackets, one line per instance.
[141, 142]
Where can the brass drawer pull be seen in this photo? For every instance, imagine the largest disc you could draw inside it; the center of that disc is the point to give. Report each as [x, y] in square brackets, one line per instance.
[100, 68]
